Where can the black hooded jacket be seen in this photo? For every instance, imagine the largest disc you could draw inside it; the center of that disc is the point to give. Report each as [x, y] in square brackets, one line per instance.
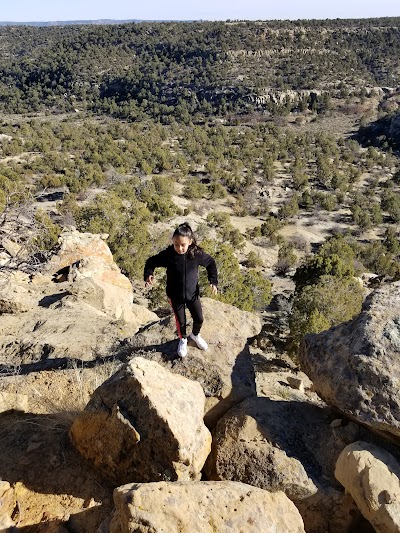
[182, 272]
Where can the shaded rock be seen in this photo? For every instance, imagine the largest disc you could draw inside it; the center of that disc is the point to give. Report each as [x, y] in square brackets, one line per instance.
[372, 476]
[246, 448]
[356, 365]
[202, 507]
[225, 370]
[288, 446]
[144, 424]
[332, 510]
[296, 383]
[281, 303]
[394, 128]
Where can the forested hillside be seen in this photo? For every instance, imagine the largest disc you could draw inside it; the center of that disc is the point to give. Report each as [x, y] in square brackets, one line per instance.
[276, 140]
[193, 70]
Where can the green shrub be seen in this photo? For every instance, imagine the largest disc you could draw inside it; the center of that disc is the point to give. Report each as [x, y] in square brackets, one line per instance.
[391, 241]
[286, 259]
[270, 226]
[47, 232]
[194, 189]
[218, 219]
[127, 226]
[391, 204]
[249, 291]
[328, 302]
[254, 260]
[321, 265]
[306, 200]
[378, 259]
[289, 209]
[161, 207]
[361, 217]
[217, 190]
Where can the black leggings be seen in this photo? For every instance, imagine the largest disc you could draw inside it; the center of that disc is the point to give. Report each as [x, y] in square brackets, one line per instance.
[196, 313]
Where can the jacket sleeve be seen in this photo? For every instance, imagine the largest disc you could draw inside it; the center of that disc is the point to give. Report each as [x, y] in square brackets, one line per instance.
[209, 262]
[159, 260]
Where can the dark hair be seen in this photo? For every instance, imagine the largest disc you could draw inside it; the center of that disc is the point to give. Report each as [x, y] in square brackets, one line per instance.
[184, 230]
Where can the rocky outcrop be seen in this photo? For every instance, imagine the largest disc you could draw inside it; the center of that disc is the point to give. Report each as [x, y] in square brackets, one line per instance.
[74, 246]
[144, 424]
[203, 507]
[225, 370]
[355, 366]
[280, 97]
[78, 309]
[287, 446]
[87, 263]
[372, 476]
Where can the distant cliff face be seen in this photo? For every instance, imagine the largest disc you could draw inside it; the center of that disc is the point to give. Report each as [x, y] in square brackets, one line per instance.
[209, 68]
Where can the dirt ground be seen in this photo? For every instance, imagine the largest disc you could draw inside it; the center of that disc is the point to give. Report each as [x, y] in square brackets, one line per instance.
[56, 490]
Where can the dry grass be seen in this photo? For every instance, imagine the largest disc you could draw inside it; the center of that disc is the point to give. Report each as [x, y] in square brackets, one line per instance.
[61, 394]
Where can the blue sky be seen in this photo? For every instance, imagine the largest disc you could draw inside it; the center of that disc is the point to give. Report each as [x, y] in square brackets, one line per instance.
[46, 10]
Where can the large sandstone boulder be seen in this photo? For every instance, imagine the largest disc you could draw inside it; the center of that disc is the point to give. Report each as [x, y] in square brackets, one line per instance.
[202, 507]
[356, 365]
[74, 246]
[372, 476]
[285, 446]
[225, 370]
[81, 316]
[94, 278]
[144, 424]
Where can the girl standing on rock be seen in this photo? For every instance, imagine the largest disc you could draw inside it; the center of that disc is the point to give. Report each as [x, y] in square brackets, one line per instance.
[182, 260]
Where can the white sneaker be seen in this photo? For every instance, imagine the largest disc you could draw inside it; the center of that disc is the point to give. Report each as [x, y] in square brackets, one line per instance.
[182, 348]
[200, 342]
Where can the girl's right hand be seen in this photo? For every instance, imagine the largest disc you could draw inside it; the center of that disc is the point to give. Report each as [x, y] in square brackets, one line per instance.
[149, 282]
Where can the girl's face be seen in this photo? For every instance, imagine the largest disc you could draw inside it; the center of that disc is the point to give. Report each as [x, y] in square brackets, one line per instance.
[181, 244]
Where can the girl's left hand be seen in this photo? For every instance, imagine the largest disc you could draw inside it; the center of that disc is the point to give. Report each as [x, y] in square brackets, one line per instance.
[214, 289]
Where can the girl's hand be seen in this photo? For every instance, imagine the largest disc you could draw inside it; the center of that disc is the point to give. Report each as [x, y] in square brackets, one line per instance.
[149, 282]
[214, 289]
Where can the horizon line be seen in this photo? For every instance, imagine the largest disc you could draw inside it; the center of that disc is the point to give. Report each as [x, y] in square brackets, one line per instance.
[138, 20]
